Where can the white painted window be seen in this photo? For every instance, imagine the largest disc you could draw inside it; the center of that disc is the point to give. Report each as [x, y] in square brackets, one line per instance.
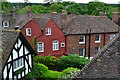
[97, 38]
[48, 31]
[62, 44]
[40, 47]
[82, 52]
[96, 50]
[55, 45]
[82, 40]
[112, 36]
[5, 24]
[28, 31]
[18, 64]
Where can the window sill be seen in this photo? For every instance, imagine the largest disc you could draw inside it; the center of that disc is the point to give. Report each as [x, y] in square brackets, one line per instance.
[97, 41]
[19, 71]
[40, 51]
[81, 42]
[48, 34]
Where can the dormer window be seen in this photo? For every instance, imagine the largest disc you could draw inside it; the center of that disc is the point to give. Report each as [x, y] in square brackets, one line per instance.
[16, 27]
[97, 39]
[48, 31]
[28, 31]
[5, 24]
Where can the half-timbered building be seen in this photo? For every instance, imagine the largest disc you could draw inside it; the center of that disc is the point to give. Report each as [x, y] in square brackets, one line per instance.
[16, 55]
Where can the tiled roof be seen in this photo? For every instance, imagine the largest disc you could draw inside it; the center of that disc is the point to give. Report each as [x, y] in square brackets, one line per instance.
[8, 40]
[90, 24]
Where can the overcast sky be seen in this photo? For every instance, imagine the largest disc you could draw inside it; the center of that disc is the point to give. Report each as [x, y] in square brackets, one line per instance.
[78, 1]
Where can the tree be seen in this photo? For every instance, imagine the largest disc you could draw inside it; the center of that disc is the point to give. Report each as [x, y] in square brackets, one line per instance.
[57, 7]
[75, 8]
[6, 7]
[51, 1]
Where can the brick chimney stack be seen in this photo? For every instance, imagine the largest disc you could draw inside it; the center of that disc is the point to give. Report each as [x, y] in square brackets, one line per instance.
[116, 17]
[64, 19]
[13, 13]
[102, 13]
[29, 13]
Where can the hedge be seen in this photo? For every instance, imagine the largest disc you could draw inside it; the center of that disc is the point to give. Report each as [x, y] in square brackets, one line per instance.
[71, 61]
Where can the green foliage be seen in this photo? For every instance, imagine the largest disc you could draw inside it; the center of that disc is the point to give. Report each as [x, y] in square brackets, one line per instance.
[35, 9]
[38, 71]
[49, 61]
[71, 61]
[57, 7]
[6, 8]
[51, 75]
[70, 73]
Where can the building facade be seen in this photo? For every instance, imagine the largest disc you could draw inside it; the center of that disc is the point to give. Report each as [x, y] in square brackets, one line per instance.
[17, 53]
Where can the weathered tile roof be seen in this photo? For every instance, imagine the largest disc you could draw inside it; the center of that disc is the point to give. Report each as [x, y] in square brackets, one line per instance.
[105, 64]
[8, 40]
[90, 24]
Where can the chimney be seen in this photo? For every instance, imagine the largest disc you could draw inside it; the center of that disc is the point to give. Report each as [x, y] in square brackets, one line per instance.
[13, 13]
[116, 17]
[64, 19]
[102, 13]
[29, 13]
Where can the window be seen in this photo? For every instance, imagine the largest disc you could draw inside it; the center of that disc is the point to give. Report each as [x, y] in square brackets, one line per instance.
[97, 39]
[28, 31]
[96, 50]
[112, 36]
[62, 44]
[5, 24]
[16, 27]
[40, 47]
[82, 52]
[18, 64]
[48, 31]
[82, 40]
[55, 45]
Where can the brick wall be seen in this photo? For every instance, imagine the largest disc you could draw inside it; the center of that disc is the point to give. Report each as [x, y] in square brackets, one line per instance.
[105, 65]
[73, 45]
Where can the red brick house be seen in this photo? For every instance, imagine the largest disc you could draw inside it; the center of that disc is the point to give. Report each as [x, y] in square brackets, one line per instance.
[88, 34]
[52, 41]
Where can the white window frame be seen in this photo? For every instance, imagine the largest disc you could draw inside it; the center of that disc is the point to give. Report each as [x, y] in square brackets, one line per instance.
[83, 52]
[62, 44]
[4, 24]
[42, 47]
[55, 46]
[27, 33]
[83, 40]
[112, 36]
[17, 66]
[48, 31]
[98, 41]
[97, 51]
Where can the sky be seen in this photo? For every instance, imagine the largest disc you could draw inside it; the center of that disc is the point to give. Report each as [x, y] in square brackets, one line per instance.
[78, 1]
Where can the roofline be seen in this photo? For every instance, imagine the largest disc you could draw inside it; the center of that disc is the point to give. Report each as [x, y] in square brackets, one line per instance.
[92, 33]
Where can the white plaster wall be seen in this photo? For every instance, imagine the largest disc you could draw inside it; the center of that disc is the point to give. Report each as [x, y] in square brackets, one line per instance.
[21, 51]
[10, 74]
[15, 54]
[5, 72]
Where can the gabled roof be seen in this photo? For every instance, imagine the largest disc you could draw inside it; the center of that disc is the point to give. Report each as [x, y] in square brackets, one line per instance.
[105, 64]
[83, 24]
[9, 38]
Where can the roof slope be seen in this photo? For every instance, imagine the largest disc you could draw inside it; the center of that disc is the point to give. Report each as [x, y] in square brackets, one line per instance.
[105, 64]
[83, 24]
[9, 38]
